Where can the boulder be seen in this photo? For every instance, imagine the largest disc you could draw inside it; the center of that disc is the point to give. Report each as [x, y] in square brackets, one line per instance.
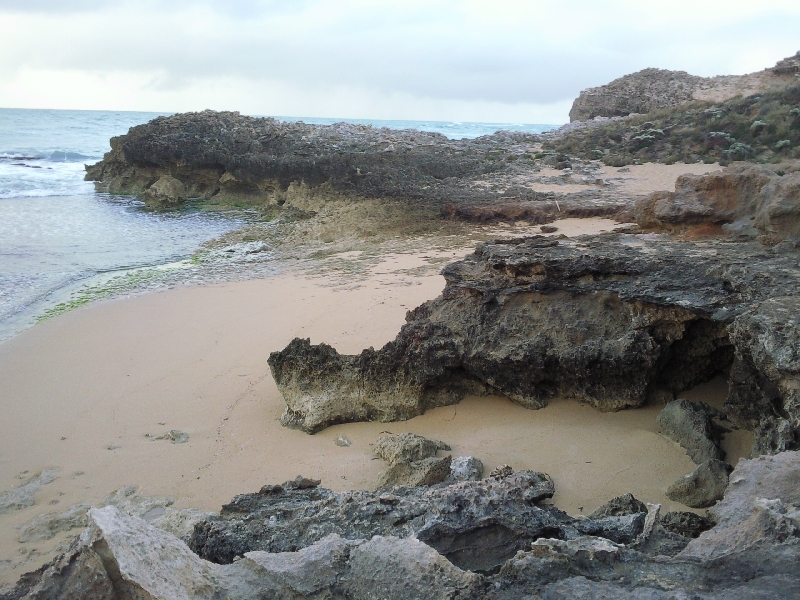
[689, 424]
[619, 506]
[406, 448]
[753, 201]
[167, 192]
[465, 468]
[412, 460]
[686, 524]
[428, 471]
[703, 486]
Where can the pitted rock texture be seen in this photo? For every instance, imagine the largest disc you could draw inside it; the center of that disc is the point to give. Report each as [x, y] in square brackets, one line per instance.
[746, 200]
[652, 89]
[226, 156]
[752, 552]
[611, 321]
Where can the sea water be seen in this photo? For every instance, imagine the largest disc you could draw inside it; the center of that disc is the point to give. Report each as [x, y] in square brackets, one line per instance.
[57, 233]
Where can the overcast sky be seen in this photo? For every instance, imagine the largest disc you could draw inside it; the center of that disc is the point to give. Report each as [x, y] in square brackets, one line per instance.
[489, 60]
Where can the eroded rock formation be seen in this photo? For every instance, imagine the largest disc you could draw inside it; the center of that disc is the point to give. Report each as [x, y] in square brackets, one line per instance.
[440, 536]
[652, 89]
[746, 200]
[611, 321]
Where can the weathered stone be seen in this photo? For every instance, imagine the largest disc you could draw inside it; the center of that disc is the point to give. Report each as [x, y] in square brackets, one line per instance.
[613, 321]
[25, 495]
[465, 468]
[686, 524]
[166, 192]
[428, 471]
[703, 486]
[47, 526]
[752, 552]
[689, 424]
[652, 89]
[386, 567]
[750, 200]
[621, 505]
[405, 448]
[279, 519]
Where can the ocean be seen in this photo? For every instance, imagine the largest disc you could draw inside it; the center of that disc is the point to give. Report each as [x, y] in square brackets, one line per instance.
[57, 235]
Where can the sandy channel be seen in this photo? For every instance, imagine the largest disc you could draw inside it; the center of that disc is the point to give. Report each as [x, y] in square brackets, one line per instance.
[83, 392]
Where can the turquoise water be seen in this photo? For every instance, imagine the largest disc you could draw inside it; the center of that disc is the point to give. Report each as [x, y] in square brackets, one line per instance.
[56, 232]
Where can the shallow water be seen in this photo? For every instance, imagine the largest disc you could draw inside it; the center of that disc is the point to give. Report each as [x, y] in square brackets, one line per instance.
[57, 234]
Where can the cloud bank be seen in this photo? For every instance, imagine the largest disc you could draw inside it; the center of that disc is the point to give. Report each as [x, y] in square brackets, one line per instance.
[501, 61]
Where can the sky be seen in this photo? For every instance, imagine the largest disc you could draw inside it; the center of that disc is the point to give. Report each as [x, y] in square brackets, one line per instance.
[498, 61]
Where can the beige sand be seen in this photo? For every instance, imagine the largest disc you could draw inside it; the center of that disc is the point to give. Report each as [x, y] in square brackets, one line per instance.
[654, 177]
[81, 392]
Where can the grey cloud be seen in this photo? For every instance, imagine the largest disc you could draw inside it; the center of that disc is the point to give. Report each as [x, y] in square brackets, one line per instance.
[418, 53]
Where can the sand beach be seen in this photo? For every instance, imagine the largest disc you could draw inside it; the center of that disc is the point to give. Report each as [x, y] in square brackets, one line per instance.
[88, 393]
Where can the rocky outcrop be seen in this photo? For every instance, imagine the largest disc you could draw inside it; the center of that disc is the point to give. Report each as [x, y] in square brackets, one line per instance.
[478, 524]
[611, 321]
[225, 157]
[745, 200]
[652, 89]
[751, 553]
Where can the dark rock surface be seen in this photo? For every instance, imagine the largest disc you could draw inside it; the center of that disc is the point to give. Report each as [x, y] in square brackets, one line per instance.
[751, 553]
[689, 423]
[686, 524]
[702, 487]
[225, 158]
[611, 321]
[619, 506]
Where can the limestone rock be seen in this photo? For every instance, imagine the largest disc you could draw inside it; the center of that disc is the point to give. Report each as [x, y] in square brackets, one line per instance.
[703, 486]
[751, 200]
[166, 192]
[689, 424]
[686, 524]
[465, 468]
[613, 321]
[752, 552]
[621, 505]
[498, 513]
[47, 526]
[652, 89]
[386, 567]
[428, 471]
[405, 448]
[25, 495]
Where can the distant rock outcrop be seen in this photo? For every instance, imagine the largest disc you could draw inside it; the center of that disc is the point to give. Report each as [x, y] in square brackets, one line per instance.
[652, 89]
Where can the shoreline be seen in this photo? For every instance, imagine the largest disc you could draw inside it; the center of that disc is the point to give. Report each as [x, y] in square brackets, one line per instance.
[85, 389]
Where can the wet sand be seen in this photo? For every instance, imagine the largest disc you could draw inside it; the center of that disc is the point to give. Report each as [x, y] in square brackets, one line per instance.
[89, 391]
